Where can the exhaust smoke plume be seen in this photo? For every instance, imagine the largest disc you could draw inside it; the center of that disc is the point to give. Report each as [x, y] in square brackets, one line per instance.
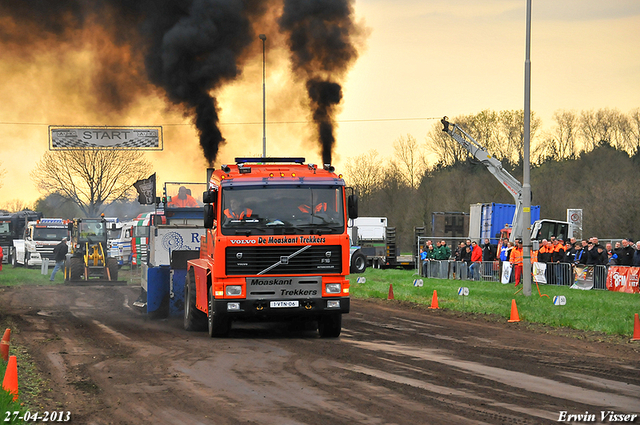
[321, 34]
[189, 49]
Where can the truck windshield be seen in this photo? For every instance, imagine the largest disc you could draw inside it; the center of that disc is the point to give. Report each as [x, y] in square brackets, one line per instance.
[4, 228]
[282, 210]
[50, 233]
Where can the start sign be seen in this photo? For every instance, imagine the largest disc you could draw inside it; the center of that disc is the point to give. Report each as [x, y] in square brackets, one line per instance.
[142, 138]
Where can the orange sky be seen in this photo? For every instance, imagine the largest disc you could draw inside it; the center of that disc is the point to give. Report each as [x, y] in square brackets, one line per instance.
[423, 59]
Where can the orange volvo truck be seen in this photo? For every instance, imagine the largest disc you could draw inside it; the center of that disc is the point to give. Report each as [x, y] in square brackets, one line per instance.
[275, 248]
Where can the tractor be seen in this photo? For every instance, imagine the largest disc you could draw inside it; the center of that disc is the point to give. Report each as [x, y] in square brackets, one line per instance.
[88, 254]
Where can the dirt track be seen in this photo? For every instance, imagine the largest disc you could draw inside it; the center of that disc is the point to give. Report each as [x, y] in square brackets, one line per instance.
[107, 363]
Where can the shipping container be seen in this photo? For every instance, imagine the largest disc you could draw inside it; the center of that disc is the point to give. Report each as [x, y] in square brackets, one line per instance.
[487, 220]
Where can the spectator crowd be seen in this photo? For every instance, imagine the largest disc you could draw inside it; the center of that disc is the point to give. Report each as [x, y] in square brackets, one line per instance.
[553, 251]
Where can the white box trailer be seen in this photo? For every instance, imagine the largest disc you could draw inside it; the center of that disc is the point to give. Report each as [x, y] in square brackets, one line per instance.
[370, 229]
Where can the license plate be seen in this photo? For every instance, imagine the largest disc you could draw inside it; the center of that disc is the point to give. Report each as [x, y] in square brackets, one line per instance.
[283, 304]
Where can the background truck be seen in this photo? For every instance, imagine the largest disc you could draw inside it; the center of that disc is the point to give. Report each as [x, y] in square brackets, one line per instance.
[12, 228]
[276, 247]
[378, 243]
[88, 255]
[540, 228]
[173, 238]
[40, 237]
[119, 236]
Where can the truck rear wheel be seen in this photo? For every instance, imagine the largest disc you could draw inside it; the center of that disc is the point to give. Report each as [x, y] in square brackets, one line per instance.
[219, 325]
[194, 319]
[330, 326]
[112, 265]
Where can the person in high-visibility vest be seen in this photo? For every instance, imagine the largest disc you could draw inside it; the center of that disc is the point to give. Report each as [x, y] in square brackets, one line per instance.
[516, 261]
[183, 199]
[237, 213]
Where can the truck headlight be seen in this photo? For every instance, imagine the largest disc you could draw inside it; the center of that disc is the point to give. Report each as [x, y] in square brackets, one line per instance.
[234, 290]
[332, 288]
[333, 304]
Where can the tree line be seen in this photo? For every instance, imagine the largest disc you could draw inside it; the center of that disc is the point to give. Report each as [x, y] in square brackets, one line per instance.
[587, 160]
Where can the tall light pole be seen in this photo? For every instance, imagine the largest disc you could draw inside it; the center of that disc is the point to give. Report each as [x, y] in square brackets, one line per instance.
[264, 97]
[526, 179]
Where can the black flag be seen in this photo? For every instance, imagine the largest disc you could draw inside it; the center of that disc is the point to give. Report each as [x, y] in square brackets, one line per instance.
[146, 190]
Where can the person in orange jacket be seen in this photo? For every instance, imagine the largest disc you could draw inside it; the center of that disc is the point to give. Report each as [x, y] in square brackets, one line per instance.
[476, 258]
[183, 199]
[516, 260]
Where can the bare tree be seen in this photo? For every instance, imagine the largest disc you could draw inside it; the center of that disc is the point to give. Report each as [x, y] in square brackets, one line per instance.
[605, 126]
[410, 161]
[364, 172]
[448, 152]
[16, 205]
[634, 131]
[90, 177]
[561, 143]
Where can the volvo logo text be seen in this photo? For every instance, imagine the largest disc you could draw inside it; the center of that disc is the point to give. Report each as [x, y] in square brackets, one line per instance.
[243, 241]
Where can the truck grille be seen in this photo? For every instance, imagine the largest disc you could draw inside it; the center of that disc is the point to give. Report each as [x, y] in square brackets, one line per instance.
[316, 259]
[45, 252]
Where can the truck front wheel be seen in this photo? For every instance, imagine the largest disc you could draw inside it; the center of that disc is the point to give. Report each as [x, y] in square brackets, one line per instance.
[358, 263]
[219, 326]
[194, 319]
[330, 325]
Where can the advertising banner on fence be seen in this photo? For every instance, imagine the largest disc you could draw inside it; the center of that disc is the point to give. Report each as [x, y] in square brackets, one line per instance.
[623, 279]
[539, 272]
[583, 277]
[506, 272]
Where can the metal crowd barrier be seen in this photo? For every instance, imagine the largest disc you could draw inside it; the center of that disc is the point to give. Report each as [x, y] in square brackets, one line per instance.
[562, 274]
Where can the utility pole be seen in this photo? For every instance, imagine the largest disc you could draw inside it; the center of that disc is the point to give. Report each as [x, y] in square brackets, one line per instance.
[264, 102]
[526, 178]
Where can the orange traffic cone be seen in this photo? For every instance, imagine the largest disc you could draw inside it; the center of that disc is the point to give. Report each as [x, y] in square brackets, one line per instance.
[390, 292]
[434, 300]
[636, 328]
[4, 345]
[10, 382]
[514, 312]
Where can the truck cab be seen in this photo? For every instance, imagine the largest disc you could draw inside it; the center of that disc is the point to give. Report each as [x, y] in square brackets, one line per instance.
[276, 247]
[40, 237]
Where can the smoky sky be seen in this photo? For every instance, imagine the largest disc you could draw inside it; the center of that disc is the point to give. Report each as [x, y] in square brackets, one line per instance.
[191, 48]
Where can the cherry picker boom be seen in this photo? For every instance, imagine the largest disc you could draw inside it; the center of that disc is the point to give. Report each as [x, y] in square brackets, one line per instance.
[541, 228]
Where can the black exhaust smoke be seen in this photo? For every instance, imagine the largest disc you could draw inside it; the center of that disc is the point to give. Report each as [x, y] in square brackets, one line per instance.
[191, 48]
[321, 36]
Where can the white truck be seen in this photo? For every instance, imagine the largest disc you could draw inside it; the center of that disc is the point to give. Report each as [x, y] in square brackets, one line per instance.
[40, 237]
[378, 245]
[119, 240]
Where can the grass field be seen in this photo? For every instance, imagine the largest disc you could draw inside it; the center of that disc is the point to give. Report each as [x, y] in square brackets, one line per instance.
[596, 310]
[603, 312]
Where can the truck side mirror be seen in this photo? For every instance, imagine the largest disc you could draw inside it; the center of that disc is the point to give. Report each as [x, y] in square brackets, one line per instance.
[209, 215]
[209, 197]
[352, 206]
[70, 226]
